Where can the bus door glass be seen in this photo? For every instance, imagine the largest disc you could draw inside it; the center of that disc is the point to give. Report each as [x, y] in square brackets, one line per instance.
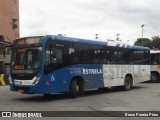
[59, 56]
[53, 61]
[53, 57]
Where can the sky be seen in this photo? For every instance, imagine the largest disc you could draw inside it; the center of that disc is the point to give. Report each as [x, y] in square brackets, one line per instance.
[85, 18]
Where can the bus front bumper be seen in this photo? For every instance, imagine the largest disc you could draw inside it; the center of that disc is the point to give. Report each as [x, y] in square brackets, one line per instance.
[32, 89]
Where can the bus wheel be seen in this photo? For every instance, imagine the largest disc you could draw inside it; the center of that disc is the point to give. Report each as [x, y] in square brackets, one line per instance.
[154, 77]
[80, 87]
[127, 83]
[47, 95]
[74, 88]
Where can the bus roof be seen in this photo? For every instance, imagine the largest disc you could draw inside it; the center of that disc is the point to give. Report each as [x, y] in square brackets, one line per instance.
[94, 42]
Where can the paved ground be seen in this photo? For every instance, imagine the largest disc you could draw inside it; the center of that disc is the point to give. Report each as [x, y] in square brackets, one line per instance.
[143, 97]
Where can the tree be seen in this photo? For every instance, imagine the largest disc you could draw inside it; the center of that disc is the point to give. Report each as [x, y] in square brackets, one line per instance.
[143, 42]
[155, 44]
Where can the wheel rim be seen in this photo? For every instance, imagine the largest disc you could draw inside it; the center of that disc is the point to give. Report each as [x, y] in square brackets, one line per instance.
[128, 84]
[154, 78]
[77, 88]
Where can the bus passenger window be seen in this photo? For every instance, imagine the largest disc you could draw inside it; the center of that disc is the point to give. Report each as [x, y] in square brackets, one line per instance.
[112, 57]
[71, 50]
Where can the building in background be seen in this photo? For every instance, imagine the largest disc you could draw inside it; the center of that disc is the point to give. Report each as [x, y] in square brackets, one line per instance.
[9, 26]
[9, 31]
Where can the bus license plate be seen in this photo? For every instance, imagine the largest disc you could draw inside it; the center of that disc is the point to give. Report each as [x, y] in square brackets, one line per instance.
[20, 90]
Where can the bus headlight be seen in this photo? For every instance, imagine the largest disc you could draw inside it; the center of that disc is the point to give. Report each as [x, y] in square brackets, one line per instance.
[36, 80]
[10, 79]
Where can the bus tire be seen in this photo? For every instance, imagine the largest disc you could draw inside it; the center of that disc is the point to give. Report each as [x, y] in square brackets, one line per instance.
[154, 77]
[103, 89]
[47, 95]
[80, 91]
[127, 83]
[73, 89]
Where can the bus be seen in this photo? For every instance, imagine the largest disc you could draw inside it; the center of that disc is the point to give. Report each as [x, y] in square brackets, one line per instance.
[57, 64]
[155, 66]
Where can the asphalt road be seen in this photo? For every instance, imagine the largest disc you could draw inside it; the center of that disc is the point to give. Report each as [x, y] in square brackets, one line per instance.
[143, 97]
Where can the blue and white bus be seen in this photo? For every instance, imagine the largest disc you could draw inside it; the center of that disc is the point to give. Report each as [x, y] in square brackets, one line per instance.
[57, 64]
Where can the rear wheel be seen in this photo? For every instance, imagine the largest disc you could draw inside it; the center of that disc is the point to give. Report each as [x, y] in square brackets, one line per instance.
[127, 83]
[154, 77]
[103, 89]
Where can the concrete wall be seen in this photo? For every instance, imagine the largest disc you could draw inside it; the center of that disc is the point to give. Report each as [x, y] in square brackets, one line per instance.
[9, 16]
[9, 10]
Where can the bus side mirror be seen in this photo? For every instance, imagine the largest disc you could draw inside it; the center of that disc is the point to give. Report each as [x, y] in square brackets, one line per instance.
[1, 71]
[2, 67]
[4, 49]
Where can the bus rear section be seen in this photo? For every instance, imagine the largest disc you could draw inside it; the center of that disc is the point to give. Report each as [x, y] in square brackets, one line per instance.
[155, 66]
[116, 75]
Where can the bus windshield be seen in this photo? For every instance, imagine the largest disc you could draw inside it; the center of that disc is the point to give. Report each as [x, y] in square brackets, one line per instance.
[26, 58]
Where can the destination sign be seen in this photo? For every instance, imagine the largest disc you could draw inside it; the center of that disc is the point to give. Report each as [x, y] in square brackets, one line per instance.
[18, 67]
[21, 50]
[33, 40]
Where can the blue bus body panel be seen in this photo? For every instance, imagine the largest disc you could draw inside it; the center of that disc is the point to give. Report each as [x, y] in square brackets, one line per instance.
[40, 88]
[59, 80]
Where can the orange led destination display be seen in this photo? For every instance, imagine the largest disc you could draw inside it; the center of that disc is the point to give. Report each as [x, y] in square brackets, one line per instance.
[18, 67]
[21, 50]
[29, 41]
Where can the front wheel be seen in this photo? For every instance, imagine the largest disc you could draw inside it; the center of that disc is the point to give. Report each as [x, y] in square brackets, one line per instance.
[74, 89]
[127, 83]
[46, 95]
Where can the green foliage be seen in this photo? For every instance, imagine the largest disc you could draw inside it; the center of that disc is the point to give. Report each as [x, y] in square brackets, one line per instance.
[152, 44]
[155, 43]
[143, 42]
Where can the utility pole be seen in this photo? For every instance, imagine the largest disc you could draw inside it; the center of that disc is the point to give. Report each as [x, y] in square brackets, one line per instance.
[142, 33]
